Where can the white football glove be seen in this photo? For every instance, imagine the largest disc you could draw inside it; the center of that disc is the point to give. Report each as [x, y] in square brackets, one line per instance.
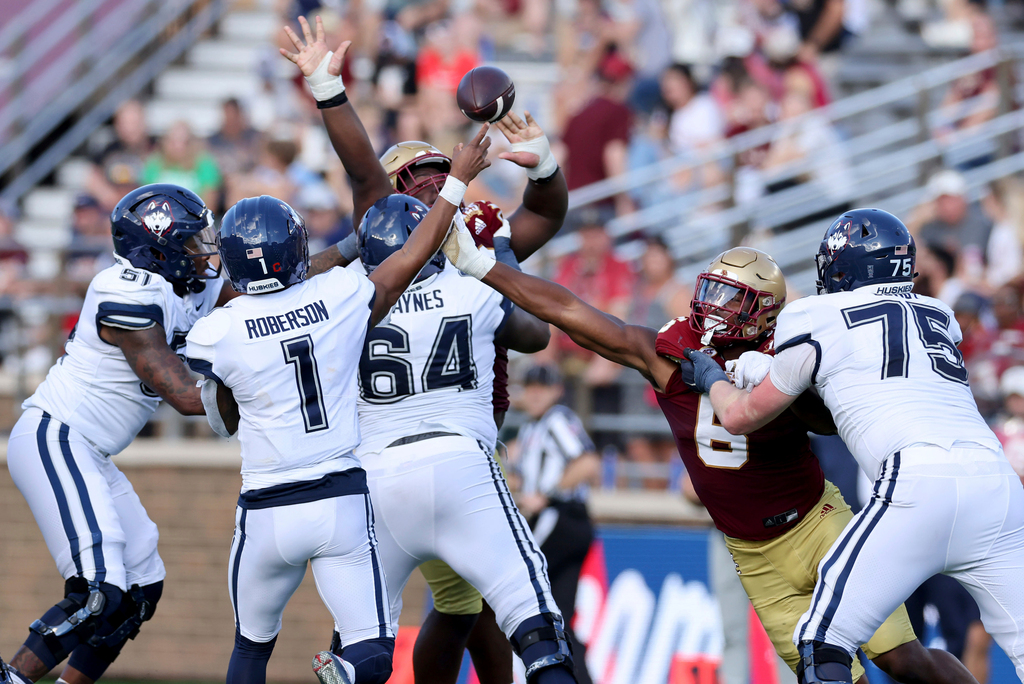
[324, 86]
[749, 370]
[542, 148]
[461, 250]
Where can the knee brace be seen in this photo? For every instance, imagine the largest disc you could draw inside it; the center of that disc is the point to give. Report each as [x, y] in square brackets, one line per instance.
[372, 659]
[823, 664]
[541, 644]
[93, 657]
[74, 620]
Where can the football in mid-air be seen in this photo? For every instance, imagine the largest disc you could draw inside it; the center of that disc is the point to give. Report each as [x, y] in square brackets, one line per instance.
[486, 93]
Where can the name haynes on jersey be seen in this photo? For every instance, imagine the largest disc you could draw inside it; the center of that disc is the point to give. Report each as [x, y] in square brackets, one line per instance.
[412, 302]
[299, 318]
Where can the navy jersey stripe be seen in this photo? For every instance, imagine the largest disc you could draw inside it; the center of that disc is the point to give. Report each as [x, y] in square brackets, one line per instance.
[834, 558]
[58, 490]
[844, 576]
[511, 515]
[378, 581]
[234, 569]
[83, 496]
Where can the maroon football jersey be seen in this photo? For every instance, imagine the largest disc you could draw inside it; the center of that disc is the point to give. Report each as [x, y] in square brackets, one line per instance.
[483, 219]
[755, 486]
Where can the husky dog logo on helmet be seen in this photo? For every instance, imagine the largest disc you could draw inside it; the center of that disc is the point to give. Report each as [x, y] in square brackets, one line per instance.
[839, 237]
[157, 217]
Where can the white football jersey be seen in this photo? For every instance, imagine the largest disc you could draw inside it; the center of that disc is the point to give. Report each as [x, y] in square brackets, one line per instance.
[290, 358]
[92, 388]
[886, 365]
[431, 366]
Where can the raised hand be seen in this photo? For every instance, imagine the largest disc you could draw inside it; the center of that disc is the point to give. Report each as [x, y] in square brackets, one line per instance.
[518, 131]
[311, 52]
[470, 159]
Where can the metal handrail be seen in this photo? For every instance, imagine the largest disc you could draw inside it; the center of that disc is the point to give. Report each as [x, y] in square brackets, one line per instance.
[70, 99]
[21, 23]
[126, 88]
[902, 89]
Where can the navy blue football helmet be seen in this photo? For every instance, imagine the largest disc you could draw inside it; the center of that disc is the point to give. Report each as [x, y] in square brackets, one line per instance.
[263, 245]
[160, 228]
[385, 228]
[865, 247]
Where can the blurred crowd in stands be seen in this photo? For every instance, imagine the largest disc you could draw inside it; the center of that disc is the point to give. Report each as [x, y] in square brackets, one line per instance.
[638, 81]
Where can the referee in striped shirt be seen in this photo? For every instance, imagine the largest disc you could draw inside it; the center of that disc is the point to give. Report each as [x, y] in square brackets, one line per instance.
[554, 463]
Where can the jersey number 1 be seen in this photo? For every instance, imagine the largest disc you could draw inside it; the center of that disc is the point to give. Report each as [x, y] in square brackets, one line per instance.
[298, 351]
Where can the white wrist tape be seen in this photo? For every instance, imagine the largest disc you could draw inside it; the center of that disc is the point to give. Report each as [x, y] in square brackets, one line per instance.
[322, 84]
[542, 148]
[453, 191]
[461, 250]
[213, 417]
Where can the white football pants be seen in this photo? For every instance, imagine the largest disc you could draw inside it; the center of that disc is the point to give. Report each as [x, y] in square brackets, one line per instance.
[959, 512]
[336, 536]
[445, 498]
[91, 518]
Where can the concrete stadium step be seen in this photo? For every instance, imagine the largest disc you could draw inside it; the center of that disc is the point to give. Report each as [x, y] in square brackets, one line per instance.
[205, 84]
[253, 26]
[49, 204]
[45, 234]
[73, 173]
[204, 118]
[225, 54]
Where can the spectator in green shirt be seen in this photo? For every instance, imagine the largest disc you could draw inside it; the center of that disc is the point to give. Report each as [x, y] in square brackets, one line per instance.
[181, 160]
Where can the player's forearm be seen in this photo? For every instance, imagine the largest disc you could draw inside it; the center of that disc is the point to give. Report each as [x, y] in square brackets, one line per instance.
[550, 302]
[159, 368]
[351, 143]
[353, 147]
[324, 261]
[541, 215]
[396, 272]
[729, 404]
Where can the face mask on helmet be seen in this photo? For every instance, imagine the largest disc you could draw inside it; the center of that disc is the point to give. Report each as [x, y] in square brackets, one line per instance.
[726, 310]
[408, 183]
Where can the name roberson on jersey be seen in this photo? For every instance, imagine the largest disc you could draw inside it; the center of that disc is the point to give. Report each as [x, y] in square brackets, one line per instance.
[92, 388]
[290, 359]
[430, 367]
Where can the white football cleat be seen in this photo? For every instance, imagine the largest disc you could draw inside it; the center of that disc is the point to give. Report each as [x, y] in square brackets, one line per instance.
[330, 669]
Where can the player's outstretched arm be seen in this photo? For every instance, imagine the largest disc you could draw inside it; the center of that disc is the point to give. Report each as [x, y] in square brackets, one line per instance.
[157, 366]
[546, 197]
[524, 332]
[396, 272]
[322, 70]
[740, 412]
[628, 345]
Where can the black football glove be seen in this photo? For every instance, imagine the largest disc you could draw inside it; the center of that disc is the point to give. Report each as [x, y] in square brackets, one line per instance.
[700, 371]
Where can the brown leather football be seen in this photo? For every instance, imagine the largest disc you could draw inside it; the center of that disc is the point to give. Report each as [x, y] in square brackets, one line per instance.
[486, 93]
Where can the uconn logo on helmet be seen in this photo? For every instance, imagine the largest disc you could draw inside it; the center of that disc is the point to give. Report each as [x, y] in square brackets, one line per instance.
[157, 217]
[839, 237]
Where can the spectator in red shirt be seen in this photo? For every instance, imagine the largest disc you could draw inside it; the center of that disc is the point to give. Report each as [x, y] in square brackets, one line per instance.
[597, 137]
[968, 309]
